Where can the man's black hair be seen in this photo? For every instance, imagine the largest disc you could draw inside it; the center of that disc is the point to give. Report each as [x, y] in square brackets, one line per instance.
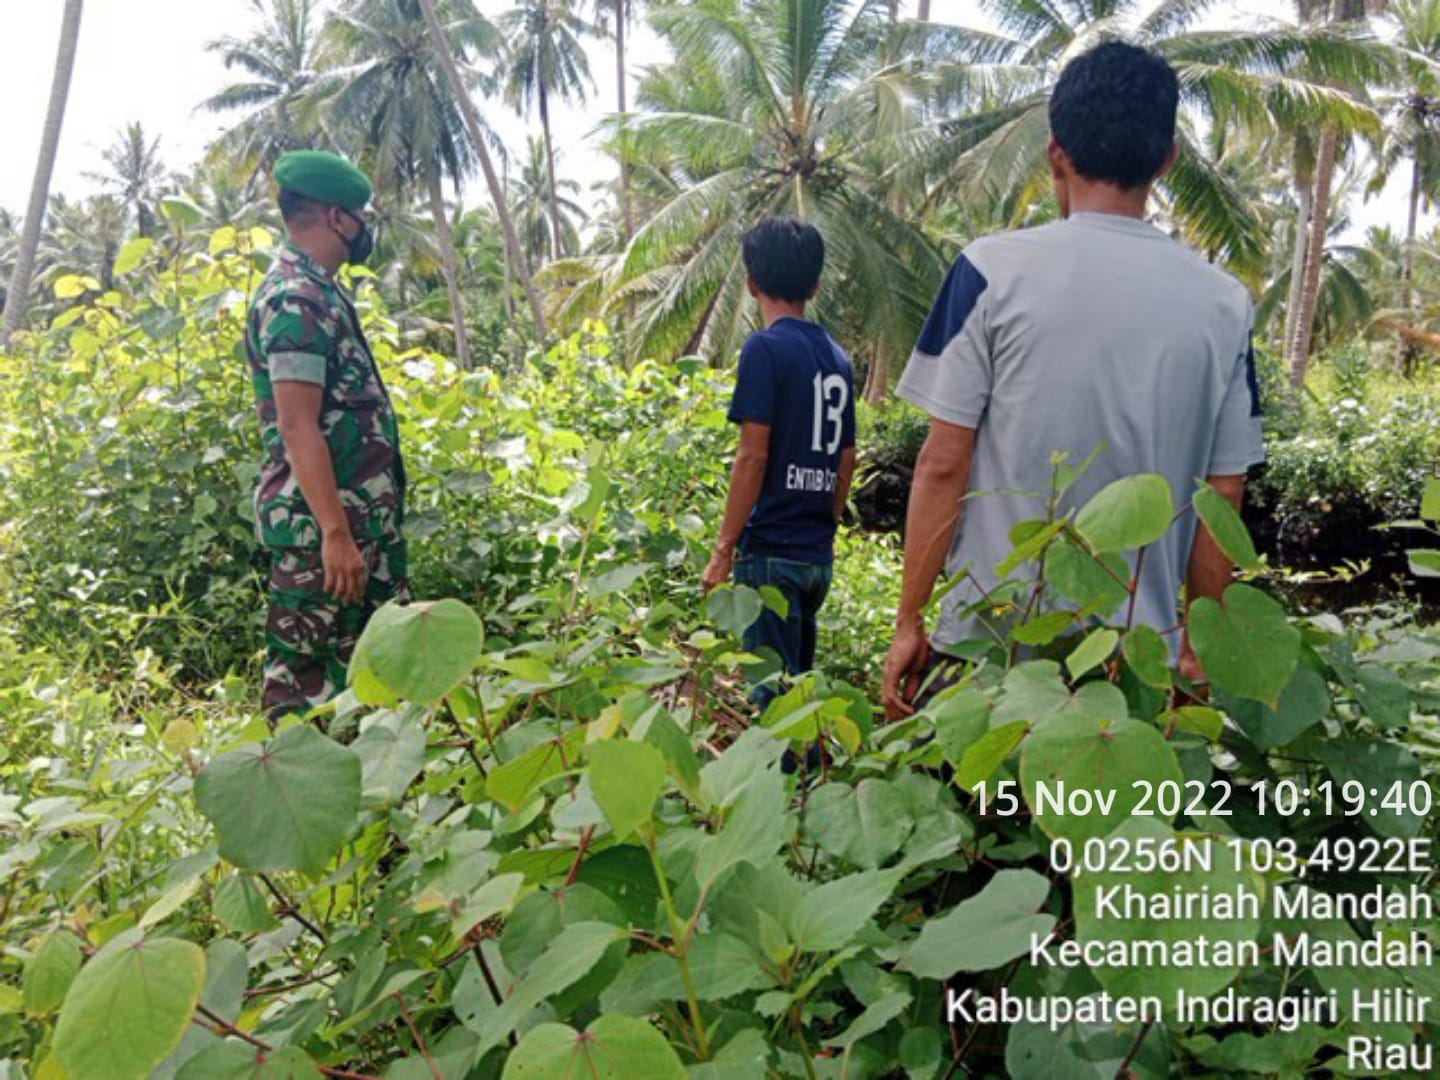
[1113, 111]
[297, 209]
[785, 256]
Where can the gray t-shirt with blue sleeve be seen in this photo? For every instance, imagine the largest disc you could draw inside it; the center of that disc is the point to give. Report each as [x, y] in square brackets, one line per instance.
[1096, 332]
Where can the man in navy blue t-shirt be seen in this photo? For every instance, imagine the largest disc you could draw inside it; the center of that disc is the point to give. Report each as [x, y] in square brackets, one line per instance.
[795, 404]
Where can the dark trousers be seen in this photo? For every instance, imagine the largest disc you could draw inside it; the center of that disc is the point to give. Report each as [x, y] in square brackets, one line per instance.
[804, 586]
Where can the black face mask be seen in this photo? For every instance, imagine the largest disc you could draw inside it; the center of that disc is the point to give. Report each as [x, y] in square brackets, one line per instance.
[359, 247]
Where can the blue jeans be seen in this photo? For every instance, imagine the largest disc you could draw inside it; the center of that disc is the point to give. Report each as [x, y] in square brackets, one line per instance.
[804, 586]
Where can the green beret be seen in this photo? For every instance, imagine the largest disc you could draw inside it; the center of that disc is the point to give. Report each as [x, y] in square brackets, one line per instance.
[325, 177]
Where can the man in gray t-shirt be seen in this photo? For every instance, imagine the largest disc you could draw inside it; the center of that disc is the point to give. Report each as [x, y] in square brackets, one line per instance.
[1098, 333]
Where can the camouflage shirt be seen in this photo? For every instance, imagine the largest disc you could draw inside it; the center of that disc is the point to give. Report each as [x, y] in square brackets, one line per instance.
[302, 326]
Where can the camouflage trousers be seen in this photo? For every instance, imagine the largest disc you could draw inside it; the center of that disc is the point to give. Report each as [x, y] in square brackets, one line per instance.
[309, 638]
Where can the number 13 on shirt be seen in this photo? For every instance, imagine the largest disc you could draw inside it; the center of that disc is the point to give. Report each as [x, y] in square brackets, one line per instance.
[828, 414]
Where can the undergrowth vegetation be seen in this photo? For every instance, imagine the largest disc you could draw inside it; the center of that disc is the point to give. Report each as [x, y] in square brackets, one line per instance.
[542, 809]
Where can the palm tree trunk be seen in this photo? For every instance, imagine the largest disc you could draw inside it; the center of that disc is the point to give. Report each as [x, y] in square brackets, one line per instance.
[504, 249]
[1314, 256]
[622, 10]
[557, 237]
[1303, 192]
[1407, 268]
[924, 13]
[477, 137]
[19, 289]
[877, 382]
[445, 237]
[1339, 11]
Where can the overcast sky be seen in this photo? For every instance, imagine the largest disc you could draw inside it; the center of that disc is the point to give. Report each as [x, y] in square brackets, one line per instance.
[146, 60]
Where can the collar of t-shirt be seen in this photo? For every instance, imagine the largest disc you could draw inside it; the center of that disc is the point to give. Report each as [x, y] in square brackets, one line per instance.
[1115, 223]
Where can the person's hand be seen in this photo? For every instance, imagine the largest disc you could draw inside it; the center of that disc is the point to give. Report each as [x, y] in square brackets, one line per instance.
[1192, 670]
[717, 572]
[905, 668]
[345, 569]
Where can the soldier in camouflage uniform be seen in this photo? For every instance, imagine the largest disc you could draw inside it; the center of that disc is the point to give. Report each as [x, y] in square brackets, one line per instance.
[330, 502]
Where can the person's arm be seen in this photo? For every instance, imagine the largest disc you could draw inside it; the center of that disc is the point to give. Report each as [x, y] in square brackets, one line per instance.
[297, 405]
[842, 482]
[1239, 444]
[747, 477]
[937, 492]
[295, 338]
[1209, 572]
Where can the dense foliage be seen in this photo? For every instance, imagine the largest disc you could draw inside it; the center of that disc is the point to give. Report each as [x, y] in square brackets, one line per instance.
[543, 833]
[539, 812]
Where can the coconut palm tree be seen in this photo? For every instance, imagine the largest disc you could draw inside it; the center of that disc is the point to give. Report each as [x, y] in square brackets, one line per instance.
[821, 107]
[480, 138]
[9, 242]
[18, 292]
[770, 107]
[547, 62]
[230, 199]
[1414, 134]
[531, 201]
[389, 99]
[82, 237]
[279, 60]
[1271, 79]
[136, 174]
[1347, 303]
[617, 15]
[1329, 152]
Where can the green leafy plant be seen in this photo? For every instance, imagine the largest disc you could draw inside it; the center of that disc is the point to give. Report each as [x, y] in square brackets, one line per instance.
[543, 832]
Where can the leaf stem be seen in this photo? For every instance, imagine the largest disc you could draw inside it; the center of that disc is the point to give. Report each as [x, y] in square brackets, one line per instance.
[419, 1041]
[1124, 1070]
[292, 909]
[586, 835]
[682, 945]
[1135, 589]
[490, 982]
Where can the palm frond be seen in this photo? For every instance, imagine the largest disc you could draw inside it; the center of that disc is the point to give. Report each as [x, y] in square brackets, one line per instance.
[1216, 217]
[1170, 17]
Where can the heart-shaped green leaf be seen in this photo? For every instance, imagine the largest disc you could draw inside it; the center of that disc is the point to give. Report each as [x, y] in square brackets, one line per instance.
[988, 753]
[49, 973]
[284, 805]
[129, 1007]
[1224, 523]
[1086, 758]
[614, 1047]
[985, 931]
[1129, 513]
[416, 652]
[1095, 649]
[864, 824]
[627, 778]
[829, 915]
[392, 754]
[1245, 642]
[1099, 583]
[733, 608]
[1148, 656]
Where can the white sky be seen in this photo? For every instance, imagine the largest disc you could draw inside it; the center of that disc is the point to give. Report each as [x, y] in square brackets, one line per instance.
[146, 60]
